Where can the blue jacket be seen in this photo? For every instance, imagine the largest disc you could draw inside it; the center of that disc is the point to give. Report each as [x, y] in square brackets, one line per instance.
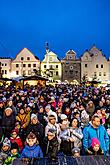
[32, 152]
[100, 133]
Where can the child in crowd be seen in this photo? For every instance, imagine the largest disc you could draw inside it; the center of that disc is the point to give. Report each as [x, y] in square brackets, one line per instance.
[15, 138]
[95, 148]
[76, 152]
[5, 150]
[32, 149]
[14, 154]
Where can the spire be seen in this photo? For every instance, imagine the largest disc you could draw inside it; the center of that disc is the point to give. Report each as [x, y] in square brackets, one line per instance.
[47, 47]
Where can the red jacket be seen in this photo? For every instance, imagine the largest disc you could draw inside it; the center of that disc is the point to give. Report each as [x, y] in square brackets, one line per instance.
[18, 141]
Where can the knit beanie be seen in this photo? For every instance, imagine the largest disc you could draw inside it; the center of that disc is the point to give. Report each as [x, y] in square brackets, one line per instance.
[15, 130]
[33, 116]
[95, 141]
[6, 142]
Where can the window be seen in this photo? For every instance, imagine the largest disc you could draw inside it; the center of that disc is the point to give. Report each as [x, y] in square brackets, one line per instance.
[29, 72]
[2, 71]
[70, 57]
[17, 65]
[34, 65]
[50, 58]
[34, 70]
[56, 66]
[104, 73]
[24, 72]
[44, 66]
[97, 66]
[71, 67]
[67, 63]
[17, 72]
[5, 71]
[5, 64]
[76, 72]
[29, 65]
[99, 73]
[2, 64]
[85, 65]
[56, 73]
[22, 58]
[24, 65]
[95, 74]
[66, 71]
[101, 65]
[28, 58]
[51, 66]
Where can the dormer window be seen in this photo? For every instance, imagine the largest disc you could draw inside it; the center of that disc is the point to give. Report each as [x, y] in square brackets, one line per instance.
[70, 57]
[50, 58]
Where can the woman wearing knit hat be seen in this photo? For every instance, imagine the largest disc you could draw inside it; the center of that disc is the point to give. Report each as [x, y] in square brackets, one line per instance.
[95, 148]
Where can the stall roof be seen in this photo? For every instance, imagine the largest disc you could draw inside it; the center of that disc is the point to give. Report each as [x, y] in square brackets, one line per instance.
[35, 77]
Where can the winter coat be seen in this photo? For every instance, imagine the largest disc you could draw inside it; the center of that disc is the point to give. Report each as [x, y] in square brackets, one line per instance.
[24, 119]
[8, 124]
[51, 126]
[100, 133]
[3, 156]
[10, 159]
[77, 135]
[65, 145]
[99, 152]
[32, 152]
[37, 129]
[51, 147]
[18, 141]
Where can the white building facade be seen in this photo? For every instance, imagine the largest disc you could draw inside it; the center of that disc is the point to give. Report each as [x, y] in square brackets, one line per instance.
[95, 66]
[25, 64]
[5, 67]
[51, 66]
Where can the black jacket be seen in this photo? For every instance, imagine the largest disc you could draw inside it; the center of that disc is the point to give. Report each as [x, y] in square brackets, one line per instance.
[51, 147]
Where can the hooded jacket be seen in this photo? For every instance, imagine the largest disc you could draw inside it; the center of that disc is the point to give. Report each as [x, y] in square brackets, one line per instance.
[32, 152]
[100, 133]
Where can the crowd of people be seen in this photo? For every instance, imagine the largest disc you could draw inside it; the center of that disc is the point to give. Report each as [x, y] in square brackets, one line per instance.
[65, 120]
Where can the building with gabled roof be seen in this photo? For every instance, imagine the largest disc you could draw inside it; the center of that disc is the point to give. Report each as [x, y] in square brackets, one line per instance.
[51, 66]
[94, 65]
[25, 64]
[71, 67]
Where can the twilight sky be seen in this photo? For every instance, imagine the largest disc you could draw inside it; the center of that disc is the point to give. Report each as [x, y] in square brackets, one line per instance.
[64, 24]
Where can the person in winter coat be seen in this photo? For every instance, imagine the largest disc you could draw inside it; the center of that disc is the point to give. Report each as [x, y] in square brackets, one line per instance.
[5, 150]
[95, 148]
[14, 154]
[96, 130]
[23, 118]
[65, 145]
[32, 149]
[76, 134]
[15, 138]
[8, 122]
[51, 144]
[52, 125]
[90, 108]
[36, 128]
